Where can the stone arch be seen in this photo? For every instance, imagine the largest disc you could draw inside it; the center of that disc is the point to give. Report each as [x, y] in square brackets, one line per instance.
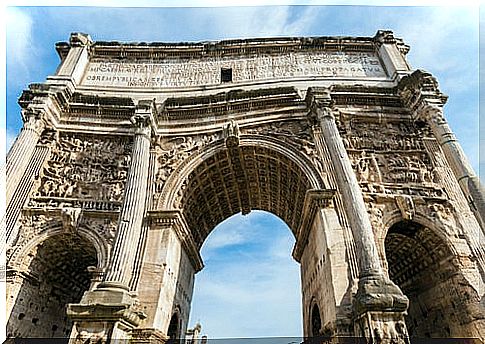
[423, 262]
[23, 249]
[174, 327]
[315, 319]
[175, 182]
[48, 272]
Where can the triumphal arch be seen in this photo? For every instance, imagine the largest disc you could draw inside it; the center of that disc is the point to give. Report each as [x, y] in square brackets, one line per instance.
[132, 153]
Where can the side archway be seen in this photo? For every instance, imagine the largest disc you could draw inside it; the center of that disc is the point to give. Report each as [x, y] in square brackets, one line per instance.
[316, 321]
[49, 272]
[424, 265]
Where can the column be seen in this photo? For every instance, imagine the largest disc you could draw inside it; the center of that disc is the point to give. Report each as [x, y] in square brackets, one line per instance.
[111, 305]
[21, 152]
[378, 302]
[133, 208]
[466, 177]
[422, 96]
[369, 262]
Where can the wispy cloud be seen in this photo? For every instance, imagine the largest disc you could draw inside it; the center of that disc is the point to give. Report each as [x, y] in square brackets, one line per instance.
[19, 52]
[258, 281]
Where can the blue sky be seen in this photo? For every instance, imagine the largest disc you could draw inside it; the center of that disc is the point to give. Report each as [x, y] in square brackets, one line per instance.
[250, 286]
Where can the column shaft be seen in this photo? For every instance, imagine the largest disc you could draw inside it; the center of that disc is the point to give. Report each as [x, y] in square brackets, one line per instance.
[369, 263]
[468, 181]
[21, 152]
[131, 216]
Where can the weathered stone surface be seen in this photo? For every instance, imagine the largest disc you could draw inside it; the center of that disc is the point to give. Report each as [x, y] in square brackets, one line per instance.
[335, 135]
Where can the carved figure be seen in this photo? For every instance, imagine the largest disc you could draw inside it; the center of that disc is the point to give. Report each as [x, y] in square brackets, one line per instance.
[85, 167]
[406, 206]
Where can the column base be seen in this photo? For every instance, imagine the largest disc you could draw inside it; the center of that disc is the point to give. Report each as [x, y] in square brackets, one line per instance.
[102, 323]
[379, 308]
[148, 336]
[378, 293]
[382, 327]
[107, 314]
[109, 293]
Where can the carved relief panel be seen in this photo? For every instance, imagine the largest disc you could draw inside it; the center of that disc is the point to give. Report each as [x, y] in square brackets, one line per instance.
[390, 157]
[84, 168]
[172, 152]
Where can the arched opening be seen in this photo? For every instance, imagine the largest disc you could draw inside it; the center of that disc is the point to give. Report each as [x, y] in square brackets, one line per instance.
[316, 321]
[174, 329]
[250, 285]
[423, 266]
[57, 275]
[244, 179]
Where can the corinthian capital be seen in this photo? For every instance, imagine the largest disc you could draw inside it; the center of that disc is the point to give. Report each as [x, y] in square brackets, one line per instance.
[320, 102]
[420, 88]
[143, 117]
[430, 113]
[34, 119]
[142, 123]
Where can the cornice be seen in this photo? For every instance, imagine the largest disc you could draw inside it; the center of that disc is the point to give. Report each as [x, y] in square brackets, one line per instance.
[226, 48]
[352, 95]
[232, 102]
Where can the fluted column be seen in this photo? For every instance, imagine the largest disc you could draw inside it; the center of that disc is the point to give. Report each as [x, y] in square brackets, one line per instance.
[463, 171]
[369, 262]
[375, 293]
[133, 208]
[21, 152]
[421, 94]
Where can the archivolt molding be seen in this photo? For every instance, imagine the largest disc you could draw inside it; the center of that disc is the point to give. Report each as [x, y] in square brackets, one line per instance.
[172, 189]
[36, 227]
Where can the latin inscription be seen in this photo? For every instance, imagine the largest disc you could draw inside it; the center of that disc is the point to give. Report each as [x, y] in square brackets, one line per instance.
[207, 71]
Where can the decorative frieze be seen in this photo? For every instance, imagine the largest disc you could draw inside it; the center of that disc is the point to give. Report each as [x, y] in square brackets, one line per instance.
[84, 168]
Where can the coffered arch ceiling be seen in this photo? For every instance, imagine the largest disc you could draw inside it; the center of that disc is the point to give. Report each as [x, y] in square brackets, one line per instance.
[241, 179]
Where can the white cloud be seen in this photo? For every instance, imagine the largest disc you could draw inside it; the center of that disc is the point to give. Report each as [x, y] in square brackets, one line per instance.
[19, 52]
[251, 291]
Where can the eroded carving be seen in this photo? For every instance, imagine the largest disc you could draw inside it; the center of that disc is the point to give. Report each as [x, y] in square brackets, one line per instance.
[91, 333]
[85, 168]
[405, 204]
[105, 227]
[172, 152]
[70, 218]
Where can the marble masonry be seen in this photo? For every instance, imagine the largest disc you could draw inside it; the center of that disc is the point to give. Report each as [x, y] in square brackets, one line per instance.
[132, 153]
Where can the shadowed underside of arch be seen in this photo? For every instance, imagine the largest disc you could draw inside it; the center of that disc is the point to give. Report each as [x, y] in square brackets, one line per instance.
[57, 275]
[239, 179]
[425, 268]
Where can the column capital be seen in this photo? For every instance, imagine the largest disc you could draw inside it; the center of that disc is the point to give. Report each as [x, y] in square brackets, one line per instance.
[419, 89]
[320, 103]
[143, 120]
[34, 119]
[430, 113]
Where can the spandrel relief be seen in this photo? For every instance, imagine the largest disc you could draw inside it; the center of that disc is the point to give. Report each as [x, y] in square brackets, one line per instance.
[85, 167]
[172, 152]
[297, 134]
[32, 225]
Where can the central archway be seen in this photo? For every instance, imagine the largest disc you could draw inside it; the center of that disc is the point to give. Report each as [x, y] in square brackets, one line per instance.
[258, 172]
[251, 178]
